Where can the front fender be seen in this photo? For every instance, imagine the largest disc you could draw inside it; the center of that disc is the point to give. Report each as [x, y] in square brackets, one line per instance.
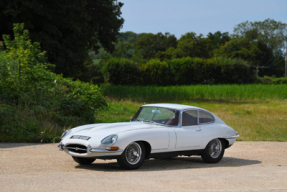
[158, 138]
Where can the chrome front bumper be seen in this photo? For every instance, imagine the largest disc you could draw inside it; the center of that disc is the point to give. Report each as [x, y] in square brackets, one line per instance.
[90, 151]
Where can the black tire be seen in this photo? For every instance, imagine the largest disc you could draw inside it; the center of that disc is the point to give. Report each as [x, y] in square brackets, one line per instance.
[84, 161]
[133, 156]
[214, 151]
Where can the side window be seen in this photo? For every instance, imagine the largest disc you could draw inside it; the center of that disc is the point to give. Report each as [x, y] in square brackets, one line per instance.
[189, 118]
[205, 117]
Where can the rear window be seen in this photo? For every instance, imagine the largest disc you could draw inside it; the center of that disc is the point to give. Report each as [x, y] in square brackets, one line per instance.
[205, 117]
[189, 118]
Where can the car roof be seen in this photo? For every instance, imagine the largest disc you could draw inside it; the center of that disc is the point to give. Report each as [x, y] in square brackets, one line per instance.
[171, 106]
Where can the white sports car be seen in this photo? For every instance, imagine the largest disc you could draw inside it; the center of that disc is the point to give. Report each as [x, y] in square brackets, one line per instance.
[156, 130]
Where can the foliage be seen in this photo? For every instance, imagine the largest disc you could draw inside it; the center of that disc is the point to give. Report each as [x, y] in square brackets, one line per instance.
[122, 72]
[37, 100]
[217, 39]
[124, 46]
[273, 33]
[66, 29]
[272, 80]
[156, 72]
[183, 71]
[129, 36]
[256, 52]
[190, 45]
[149, 45]
[210, 71]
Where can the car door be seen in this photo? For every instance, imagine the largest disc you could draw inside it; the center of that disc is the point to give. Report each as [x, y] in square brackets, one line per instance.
[189, 135]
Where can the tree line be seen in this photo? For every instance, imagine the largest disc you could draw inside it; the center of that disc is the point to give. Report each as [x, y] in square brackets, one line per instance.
[261, 44]
[79, 37]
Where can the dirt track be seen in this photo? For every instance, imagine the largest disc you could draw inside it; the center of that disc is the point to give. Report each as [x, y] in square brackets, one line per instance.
[246, 166]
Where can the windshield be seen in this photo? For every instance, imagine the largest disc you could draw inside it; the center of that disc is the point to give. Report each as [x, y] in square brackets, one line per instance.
[164, 116]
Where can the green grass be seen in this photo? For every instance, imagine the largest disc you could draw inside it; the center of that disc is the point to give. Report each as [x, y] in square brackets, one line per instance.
[258, 112]
[254, 92]
[255, 121]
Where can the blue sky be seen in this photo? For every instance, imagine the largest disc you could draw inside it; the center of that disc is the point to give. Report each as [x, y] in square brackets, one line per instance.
[200, 16]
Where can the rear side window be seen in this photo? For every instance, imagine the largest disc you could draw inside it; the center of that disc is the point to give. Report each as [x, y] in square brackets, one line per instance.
[189, 118]
[205, 117]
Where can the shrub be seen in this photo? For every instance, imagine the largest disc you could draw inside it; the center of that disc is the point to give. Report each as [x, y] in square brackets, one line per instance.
[120, 71]
[36, 104]
[210, 71]
[156, 72]
[182, 71]
[272, 80]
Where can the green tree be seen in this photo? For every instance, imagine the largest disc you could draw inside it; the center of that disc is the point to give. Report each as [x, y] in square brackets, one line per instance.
[190, 45]
[66, 29]
[257, 53]
[273, 33]
[149, 45]
[129, 36]
[217, 39]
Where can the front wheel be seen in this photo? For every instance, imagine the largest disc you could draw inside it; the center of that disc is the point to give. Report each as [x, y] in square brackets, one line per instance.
[84, 161]
[133, 156]
[214, 151]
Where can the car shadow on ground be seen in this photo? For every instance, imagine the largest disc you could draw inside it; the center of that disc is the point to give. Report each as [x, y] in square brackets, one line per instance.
[172, 164]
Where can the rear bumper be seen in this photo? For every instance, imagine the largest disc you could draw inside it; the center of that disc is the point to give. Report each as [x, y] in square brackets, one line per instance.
[231, 137]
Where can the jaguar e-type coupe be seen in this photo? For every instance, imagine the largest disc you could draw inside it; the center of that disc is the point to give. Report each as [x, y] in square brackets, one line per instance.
[156, 131]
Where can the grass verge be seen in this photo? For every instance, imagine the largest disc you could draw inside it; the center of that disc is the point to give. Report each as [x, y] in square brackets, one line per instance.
[254, 121]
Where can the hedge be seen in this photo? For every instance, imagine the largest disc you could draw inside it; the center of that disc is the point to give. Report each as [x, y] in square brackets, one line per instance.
[183, 71]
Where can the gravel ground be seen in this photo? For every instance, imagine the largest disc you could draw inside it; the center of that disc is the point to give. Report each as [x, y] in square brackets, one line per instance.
[246, 166]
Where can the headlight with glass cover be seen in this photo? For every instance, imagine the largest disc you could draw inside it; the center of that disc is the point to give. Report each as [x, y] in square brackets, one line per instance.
[109, 139]
[66, 133]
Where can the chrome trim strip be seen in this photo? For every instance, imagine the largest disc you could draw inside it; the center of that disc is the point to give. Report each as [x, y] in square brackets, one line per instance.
[104, 151]
[231, 137]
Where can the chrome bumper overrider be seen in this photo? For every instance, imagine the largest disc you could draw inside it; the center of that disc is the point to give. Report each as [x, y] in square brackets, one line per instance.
[61, 147]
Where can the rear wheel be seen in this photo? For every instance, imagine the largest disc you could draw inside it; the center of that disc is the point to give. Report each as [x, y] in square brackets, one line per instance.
[214, 151]
[84, 161]
[133, 156]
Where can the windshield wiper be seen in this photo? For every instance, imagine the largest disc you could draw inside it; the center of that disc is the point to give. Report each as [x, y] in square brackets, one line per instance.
[142, 120]
[149, 121]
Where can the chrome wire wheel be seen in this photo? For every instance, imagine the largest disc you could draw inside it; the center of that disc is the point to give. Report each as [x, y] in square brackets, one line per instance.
[133, 153]
[215, 148]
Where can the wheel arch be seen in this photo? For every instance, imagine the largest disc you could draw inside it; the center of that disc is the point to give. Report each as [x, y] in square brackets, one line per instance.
[147, 148]
[226, 142]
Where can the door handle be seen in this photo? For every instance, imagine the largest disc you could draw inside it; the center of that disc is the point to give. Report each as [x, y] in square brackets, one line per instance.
[198, 130]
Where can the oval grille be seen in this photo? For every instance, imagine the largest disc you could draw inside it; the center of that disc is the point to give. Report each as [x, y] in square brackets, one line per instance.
[76, 148]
